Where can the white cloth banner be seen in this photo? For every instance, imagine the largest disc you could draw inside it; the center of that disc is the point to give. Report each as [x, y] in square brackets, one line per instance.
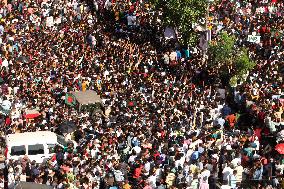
[254, 38]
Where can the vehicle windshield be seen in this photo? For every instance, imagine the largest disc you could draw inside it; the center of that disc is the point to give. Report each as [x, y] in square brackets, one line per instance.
[61, 140]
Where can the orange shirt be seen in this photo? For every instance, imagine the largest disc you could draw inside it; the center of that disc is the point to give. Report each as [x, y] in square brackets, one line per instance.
[231, 119]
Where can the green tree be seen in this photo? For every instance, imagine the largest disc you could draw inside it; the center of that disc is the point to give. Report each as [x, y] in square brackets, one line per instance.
[221, 51]
[243, 63]
[228, 59]
[181, 14]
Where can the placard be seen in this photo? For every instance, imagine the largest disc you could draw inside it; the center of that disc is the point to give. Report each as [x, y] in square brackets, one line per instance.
[49, 21]
[254, 38]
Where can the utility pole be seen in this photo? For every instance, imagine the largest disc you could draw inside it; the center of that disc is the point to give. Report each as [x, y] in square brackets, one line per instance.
[208, 21]
[208, 28]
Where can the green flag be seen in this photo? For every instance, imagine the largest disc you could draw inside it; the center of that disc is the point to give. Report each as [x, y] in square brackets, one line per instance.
[70, 100]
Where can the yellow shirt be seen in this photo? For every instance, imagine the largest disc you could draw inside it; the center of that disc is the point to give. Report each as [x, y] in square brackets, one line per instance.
[126, 186]
[170, 179]
[193, 168]
[84, 86]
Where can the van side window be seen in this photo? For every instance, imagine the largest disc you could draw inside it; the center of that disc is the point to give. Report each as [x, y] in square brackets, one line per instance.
[35, 149]
[18, 150]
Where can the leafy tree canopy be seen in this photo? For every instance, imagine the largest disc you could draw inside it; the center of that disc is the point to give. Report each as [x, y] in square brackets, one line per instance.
[181, 14]
[225, 55]
[222, 50]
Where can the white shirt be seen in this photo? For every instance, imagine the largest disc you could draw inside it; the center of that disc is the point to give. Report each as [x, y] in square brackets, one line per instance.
[206, 173]
[6, 104]
[118, 176]
[147, 168]
[152, 181]
[137, 149]
[166, 59]
[11, 179]
[257, 144]
[173, 56]
[5, 63]
[236, 161]
[225, 187]
[226, 172]
[221, 121]
[131, 159]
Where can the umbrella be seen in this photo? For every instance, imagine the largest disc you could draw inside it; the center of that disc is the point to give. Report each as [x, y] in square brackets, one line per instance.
[67, 127]
[31, 114]
[280, 148]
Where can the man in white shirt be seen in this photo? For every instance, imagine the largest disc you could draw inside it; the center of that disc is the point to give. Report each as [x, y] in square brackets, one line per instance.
[166, 58]
[137, 149]
[5, 63]
[226, 172]
[118, 175]
[132, 158]
[152, 180]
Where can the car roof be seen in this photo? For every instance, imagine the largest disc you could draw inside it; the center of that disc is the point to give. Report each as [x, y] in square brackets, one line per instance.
[28, 138]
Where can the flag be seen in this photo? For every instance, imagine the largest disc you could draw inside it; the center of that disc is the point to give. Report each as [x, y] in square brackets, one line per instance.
[70, 100]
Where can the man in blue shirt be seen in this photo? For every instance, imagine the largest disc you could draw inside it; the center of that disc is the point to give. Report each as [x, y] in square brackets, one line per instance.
[178, 54]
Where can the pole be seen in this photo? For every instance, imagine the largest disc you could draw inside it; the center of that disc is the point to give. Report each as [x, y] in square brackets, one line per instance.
[208, 30]
[206, 21]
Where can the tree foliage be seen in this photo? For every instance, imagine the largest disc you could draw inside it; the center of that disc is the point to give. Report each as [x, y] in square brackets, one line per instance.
[243, 63]
[221, 51]
[224, 55]
[181, 14]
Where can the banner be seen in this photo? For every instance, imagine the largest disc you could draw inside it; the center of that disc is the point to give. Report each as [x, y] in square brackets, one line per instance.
[254, 38]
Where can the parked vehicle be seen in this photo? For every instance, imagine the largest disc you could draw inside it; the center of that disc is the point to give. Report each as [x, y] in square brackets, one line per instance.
[37, 146]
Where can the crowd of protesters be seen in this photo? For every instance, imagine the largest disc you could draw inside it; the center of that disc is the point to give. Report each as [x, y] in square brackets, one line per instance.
[172, 123]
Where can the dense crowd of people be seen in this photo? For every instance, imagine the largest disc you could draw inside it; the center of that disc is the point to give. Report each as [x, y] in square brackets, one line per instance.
[171, 123]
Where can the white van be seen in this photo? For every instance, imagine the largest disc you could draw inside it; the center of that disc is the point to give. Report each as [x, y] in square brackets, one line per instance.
[37, 146]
